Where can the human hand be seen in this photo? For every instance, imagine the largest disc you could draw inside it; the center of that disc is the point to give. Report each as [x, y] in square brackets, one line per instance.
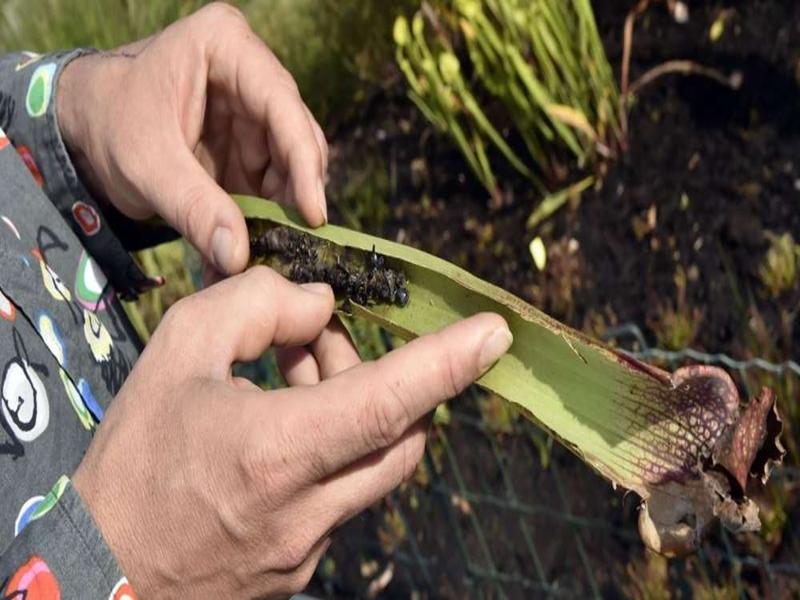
[169, 124]
[205, 486]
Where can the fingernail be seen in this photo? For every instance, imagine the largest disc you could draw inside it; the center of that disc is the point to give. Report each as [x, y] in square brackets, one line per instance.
[494, 346]
[315, 287]
[323, 206]
[222, 249]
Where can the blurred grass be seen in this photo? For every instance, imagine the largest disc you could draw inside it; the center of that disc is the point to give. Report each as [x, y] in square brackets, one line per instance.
[337, 50]
[46, 25]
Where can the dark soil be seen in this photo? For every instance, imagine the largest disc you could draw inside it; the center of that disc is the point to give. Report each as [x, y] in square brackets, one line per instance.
[709, 171]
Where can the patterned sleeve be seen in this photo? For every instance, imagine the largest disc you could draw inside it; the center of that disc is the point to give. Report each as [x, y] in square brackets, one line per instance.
[60, 366]
[61, 554]
[28, 116]
[65, 346]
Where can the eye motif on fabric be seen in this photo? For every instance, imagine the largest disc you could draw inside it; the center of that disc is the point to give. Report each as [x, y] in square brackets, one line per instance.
[25, 406]
[91, 286]
[40, 89]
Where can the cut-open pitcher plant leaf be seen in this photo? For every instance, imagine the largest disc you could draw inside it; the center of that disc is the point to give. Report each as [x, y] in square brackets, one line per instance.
[683, 441]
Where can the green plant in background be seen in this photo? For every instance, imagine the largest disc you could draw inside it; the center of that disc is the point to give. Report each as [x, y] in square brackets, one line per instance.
[175, 261]
[778, 271]
[362, 199]
[337, 50]
[314, 38]
[540, 62]
[676, 323]
[47, 25]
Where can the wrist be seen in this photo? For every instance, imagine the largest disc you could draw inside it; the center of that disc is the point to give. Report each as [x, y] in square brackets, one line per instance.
[78, 102]
[107, 503]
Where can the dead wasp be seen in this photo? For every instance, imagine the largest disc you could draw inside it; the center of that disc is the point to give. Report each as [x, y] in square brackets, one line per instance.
[303, 259]
[389, 284]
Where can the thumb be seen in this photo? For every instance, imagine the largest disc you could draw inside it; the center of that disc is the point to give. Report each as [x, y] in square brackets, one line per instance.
[191, 201]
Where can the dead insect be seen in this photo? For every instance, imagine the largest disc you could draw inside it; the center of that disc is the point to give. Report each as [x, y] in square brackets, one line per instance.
[303, 258]
[376, 260]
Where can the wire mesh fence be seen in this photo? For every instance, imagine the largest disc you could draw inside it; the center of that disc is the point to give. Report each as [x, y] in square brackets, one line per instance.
[497, 510]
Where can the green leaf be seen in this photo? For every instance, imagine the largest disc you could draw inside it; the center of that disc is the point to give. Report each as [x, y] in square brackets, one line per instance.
[551, 203]
[662, 435]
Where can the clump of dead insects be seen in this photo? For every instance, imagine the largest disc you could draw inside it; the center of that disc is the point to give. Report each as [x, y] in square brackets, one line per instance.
[304, 259]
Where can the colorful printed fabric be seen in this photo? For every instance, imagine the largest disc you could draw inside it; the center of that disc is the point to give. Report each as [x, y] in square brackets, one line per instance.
[60, 556]
[27, 86]
[66, 346]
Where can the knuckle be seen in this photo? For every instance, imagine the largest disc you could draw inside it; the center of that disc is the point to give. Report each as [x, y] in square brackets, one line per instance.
[263, 278]
[302, 577]
[413, 458]
[316, 466]
[318, 157]
[266, 471]
[285, 82]
[224, 13]
[294, 554]
[190, 212]
[388, 414]
[265, 284]
[178, 315]
[447, 374]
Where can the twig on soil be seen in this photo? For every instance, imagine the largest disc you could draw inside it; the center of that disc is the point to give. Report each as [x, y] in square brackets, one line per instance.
[685, 67]
[627, 44]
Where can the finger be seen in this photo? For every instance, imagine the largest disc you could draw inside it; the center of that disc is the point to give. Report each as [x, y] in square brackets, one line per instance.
[238, 318]
[273, 184]
[322, 143]
[262, 90]
[298, 366]
[252, 150]
[369, 407]
[333, 350]
[295, 580]
[192, 202]
[244, 384]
